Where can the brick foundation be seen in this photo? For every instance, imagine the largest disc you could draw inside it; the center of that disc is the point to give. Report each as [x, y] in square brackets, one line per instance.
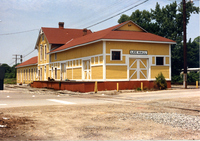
[89, 86]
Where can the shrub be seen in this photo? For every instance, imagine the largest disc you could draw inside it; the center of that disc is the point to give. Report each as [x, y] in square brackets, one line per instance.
[177, 79]
[192, 77]
[161, 82]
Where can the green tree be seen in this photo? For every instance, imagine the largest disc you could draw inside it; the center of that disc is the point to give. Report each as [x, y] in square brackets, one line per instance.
[123, 18]
[167, 22]
[192, 54]
[10, 72]
[197, 40]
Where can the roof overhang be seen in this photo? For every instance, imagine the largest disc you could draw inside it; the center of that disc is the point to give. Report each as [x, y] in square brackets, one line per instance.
[38, 39]
[27, 65]
[139, 41]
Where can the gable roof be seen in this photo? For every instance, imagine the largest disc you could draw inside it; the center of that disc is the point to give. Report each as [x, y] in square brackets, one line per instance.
[60, 35]
[124, 23]
[113, 34]
[30, 62]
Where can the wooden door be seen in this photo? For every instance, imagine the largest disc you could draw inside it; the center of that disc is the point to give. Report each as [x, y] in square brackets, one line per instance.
[138, 68]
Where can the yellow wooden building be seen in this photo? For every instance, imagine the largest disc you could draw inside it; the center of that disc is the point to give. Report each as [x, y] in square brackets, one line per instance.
[27, 71]
[125, 52]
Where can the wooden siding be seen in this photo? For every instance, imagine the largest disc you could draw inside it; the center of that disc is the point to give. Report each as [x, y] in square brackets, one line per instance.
[167, 60]
[108, 60]
[77, 73]
[84, 51]
[155, 70]
[26, 77]
[69, 73]
[130, 27]
[97, 72]
[116, 72]
[151, 48]
[41, 59]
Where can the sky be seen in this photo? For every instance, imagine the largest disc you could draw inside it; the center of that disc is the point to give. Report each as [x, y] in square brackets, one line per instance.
[17, 16]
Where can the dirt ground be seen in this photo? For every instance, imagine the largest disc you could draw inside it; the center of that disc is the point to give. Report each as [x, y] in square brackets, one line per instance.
[97, 122]
[106, 121]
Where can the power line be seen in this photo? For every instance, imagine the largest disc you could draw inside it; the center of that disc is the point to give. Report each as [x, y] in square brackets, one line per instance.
[21, 58]
[28, 53]
[117, 14]
[18, 32]
[11, 63]
[106, 13]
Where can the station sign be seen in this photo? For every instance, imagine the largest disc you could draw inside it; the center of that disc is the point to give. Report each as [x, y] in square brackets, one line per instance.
[138, 52]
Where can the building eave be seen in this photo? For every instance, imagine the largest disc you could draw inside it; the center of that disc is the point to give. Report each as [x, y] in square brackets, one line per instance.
[26, 65]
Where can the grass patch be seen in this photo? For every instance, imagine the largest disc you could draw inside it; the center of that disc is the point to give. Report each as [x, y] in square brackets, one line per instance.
[10, 81]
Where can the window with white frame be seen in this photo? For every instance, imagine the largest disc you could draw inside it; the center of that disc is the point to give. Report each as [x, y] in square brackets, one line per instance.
[42, 37]
[45, 52]
[21, 76]
[116, 55]
[34, 74]
[159, 60]
[40, 52]
[52, 72]
[44, 72]
[29, 72]
[24, 74]
[79, 62]
[55, 73]
[40, 73]
[18, 74]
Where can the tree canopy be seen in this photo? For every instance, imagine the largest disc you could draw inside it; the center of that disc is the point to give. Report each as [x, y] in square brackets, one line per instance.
[10, 72]
[168, 22]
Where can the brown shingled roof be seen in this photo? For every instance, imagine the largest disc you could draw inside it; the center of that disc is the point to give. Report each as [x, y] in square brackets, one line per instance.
[61, 36]
[32, 61]
[113, 33]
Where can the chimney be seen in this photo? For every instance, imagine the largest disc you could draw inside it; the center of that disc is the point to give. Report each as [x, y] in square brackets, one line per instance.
[61, 25]
[84, 31]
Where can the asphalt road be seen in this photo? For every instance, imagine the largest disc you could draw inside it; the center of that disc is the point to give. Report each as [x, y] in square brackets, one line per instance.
[17, 99]
[12, 98]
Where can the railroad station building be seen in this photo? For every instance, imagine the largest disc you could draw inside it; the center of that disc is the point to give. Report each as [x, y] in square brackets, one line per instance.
[125, 53]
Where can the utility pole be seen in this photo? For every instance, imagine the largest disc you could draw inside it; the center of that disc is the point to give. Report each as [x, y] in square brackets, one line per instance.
[184, 46]
[16, 58]
[21, 60]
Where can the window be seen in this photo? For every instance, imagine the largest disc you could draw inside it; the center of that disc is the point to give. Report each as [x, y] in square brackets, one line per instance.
[116, 55]
[55, 56]
[52, 72]
[55, 73]
[21, 75]
[24, 74]
[40, 73]
[45, 51]
[40, 52]
[29, 78]
[159, 60]
[34, 74]
[42, 37]
[31, 74]
[44, 72]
